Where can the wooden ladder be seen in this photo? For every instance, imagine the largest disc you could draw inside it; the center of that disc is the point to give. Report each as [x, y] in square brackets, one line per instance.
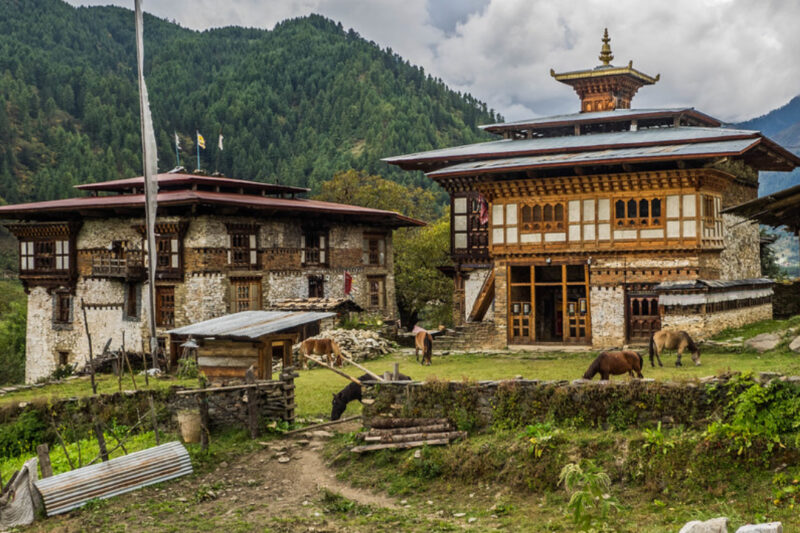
[484, 299]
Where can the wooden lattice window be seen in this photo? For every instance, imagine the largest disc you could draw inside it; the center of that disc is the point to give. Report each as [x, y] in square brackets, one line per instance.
[165, 306]
[246, 295]
[316, 287]
[541, 217]
[374, 250]
[168, 252]
[314, 249]
[377, 292]
[62, 312]
[243, 251]
[44, 255]
[644, 212]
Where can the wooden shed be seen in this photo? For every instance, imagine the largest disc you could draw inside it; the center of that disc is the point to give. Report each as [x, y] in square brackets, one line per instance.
[230, 344]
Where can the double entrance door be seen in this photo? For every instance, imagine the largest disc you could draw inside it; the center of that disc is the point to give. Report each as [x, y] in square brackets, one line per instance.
[548, 303]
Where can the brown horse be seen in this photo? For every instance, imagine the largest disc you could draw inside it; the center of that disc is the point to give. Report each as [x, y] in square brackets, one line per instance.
[616, 362]
[672, 340]
[423, 341]
[326, 347]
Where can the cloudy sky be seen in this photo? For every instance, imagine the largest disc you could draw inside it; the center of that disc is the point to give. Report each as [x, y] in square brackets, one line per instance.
[733, 59]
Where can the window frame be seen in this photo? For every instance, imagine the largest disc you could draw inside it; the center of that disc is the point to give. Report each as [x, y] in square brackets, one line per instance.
[63, 309]
[626, 212]
[319, 282]
[374, 249]
[317, 255]
[380, 293]
[165, 306]
[246, 295]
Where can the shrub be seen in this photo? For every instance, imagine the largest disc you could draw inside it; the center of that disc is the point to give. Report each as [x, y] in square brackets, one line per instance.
[590, 500]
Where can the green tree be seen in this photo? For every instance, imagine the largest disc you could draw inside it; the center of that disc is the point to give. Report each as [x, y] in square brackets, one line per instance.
[13, 324]
[423, 291]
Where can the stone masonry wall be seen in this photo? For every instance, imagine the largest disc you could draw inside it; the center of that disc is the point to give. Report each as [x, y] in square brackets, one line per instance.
[741, 258]
[608, 316]
[700, 326]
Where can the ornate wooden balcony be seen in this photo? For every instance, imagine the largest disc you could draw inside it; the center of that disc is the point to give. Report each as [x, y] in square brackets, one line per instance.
[128, 266]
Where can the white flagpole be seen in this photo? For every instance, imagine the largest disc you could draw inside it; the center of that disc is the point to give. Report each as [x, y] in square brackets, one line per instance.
[149, 162]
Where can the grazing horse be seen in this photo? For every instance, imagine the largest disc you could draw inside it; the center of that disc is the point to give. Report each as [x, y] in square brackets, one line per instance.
[616, 362]
[423, 341]
[326, 347]
[352, 392]
[672, 340]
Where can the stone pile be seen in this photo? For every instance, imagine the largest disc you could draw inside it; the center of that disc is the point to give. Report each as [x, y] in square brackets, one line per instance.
[357, 344]
[720, 525]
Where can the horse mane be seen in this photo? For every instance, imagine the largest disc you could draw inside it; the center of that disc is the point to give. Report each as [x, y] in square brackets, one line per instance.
[690, 343]
[594, 368]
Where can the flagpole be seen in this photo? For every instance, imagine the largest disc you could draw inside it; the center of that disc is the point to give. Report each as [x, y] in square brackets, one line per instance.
[150, 167]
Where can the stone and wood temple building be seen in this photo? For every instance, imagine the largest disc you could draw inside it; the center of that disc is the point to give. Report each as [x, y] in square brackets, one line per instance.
[603, 226]
[223, 246]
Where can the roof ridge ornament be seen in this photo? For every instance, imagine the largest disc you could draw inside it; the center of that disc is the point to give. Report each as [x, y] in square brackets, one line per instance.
[605, 52]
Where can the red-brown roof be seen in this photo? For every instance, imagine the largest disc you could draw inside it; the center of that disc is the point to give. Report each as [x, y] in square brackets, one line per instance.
[100, 205]
[170, 180]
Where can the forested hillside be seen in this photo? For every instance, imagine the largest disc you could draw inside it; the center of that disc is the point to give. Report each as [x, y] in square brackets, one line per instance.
[294, 104]
[783, 126]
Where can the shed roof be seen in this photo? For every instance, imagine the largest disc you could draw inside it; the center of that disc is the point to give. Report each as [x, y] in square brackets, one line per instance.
[780, 208]
[711, 284]
[250, 325]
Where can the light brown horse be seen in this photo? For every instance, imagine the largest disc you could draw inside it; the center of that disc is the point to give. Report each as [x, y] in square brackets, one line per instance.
[423, 341]
[326, 347]
[615, 362]
[672, 340]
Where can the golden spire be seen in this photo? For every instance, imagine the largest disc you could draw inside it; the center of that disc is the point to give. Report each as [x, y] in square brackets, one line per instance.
[605, 52]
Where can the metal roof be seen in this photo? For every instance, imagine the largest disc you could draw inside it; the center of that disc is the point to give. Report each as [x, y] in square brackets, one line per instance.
[609, 156]
[178, 179]
[601, 116]
[620, 139]
[73, 489]
[102, 204]
[780, 208]
[704, 284]
[250, 324]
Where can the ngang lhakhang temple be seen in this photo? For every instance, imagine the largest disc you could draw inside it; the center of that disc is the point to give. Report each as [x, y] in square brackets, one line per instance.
[603, 226]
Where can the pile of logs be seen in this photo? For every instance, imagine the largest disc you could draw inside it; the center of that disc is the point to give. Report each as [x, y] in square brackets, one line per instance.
[401, 433]
[357, 344]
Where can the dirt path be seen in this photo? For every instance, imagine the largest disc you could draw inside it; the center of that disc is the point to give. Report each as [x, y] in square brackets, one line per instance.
[247, 493]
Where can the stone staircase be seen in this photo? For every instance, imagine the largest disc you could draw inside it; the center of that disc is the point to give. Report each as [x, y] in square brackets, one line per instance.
[467, 337]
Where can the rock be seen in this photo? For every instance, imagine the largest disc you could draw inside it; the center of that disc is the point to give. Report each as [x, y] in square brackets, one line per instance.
[762, 343]
[321, 434]
[459, 515]
[772, 527]
[472, 519]
[766, 377]
[715, 525]
[283, 459]
[795, 345]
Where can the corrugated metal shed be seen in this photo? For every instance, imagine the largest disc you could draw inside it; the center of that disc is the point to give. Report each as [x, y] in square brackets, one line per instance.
[670, 151]
[71, 490]
[250, 324]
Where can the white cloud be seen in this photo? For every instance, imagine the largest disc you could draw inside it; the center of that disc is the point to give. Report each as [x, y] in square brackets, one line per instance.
[733, 59]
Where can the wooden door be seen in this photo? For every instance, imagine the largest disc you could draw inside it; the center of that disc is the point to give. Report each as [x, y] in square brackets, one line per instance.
[642, 314]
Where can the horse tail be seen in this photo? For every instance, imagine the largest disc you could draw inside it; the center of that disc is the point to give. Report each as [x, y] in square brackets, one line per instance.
[652, 348]
[428, 343]
[641, 360]
[594, 368]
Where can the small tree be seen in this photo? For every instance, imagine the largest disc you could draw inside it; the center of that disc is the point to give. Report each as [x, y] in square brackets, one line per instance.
[590, 499]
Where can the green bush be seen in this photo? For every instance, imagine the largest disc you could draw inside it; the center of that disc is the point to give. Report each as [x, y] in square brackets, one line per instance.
[23, 435]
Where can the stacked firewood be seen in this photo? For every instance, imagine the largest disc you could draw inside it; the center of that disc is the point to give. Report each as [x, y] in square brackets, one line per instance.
[357, 344]
[401, 433]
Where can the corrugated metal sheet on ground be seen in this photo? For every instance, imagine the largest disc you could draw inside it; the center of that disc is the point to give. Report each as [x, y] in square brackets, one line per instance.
[71, 490]
[251, 324]
[571, 158]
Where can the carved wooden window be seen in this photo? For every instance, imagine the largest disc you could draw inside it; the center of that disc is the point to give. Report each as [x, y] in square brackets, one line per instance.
[643, 212]
[246, 295]
[314, 248]
[316, 287]
[374, 249]
[168, 253]
[62, 312]
[44, 256]
[542, 217]
[469, 225]
[242, 250]
[165, 306]
[377, 292]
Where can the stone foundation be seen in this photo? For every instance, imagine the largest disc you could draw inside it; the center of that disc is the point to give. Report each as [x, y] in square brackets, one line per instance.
[700, 326]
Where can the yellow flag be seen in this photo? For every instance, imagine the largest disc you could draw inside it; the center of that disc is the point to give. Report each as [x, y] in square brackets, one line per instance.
[201, 141]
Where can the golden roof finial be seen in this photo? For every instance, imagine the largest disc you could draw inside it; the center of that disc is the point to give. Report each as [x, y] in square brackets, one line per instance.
[605, 52]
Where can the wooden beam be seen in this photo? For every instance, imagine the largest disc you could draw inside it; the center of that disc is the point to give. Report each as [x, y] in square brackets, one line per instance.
[326, 365]
[366, 371]
[322, 425]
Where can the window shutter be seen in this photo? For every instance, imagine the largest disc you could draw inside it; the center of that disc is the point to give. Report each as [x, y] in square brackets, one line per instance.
[174, 252]
[71, 306]
[322, 249]
[59, 257]
[66, 255]
[365, 251]
[382, 251]
[303, 249]
[230, 248]
[253, 250]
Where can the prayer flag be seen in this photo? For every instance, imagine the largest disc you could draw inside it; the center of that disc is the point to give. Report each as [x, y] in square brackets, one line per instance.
[220, 141]
[201, 141]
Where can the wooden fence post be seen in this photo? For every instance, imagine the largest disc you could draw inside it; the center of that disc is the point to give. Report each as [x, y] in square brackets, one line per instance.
[153, 417]
[89, 338]
[43, 451]
[202, 401]
[252, 403]
[101, 441]
[287, 376]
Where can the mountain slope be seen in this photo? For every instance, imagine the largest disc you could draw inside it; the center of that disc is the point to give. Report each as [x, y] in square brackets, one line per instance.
[295, 104]
[783, 126]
